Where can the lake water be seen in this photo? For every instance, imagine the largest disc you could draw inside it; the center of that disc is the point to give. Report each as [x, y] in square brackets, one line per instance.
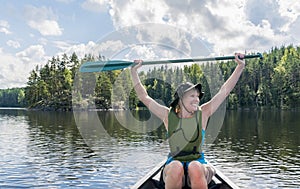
[255, 149]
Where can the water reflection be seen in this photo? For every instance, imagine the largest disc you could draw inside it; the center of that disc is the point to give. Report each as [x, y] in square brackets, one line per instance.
[98, 127]
[118, 124]
[265, 146]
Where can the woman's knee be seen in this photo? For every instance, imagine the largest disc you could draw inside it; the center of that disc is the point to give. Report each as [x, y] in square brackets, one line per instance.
[197, 175]
[174, 170]
[174, 167]
[196, 170]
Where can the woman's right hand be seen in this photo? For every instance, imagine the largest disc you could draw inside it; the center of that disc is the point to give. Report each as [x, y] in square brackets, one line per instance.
[138, 64]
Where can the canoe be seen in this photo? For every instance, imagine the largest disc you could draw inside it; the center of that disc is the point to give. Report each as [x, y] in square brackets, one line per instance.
[151, 180]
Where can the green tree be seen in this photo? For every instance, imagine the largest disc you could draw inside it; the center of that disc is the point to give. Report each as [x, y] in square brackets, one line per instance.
[103, 92]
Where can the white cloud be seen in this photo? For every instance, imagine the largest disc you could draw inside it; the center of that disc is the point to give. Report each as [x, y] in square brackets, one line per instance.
[14, 44]
[291, 10]
[95, 5]
[126, 13]
[44, 20]
[229, 25]
[65, 1]
[4, 27]
[42, 41]
[33, 54]
[12, 73]
[4, 23]
[4, 30]
[15, 68]
[142, 52]
[107, 48]
[265, 10]
[46, 27]
[294, 31]
[62, 45]
[80, 49]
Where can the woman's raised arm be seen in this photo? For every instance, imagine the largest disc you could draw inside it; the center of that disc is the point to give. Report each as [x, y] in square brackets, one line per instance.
[159, 110]
[211, 106]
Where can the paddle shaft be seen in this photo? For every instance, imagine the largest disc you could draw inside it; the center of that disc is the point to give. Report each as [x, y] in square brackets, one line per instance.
[200, 59]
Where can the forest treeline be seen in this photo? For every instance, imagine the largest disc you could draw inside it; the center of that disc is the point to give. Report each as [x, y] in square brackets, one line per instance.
[272, 82]
[12, 97]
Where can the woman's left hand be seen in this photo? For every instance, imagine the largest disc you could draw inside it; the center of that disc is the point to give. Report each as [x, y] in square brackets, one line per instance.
[239, 58]
[138, 64]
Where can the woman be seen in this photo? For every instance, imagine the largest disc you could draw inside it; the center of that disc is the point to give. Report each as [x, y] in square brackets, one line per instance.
[182, 121]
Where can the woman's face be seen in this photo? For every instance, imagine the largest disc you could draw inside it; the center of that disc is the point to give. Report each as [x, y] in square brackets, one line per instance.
[191, 100]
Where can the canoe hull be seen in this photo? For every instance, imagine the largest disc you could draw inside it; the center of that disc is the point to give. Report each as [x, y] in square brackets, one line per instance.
[151, 180]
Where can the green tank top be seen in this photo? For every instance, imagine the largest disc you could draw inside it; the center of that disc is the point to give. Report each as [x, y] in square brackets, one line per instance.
[185, 136]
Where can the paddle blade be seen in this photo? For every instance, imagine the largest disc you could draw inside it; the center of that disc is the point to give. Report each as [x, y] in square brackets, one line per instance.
[101, 66]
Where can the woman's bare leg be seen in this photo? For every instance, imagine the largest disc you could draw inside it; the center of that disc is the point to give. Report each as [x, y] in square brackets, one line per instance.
[173, 174]
[196, 173]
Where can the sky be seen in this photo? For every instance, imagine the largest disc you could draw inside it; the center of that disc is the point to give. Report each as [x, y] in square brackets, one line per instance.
[34, 31]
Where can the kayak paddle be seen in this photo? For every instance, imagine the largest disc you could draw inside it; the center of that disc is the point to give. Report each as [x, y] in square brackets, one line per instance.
[110, 65]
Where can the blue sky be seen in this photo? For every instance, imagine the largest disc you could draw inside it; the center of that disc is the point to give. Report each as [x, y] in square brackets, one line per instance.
[33, 31]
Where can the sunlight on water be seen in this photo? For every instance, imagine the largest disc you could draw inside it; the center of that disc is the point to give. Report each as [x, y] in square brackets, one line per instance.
[259, 159]
[259, 170]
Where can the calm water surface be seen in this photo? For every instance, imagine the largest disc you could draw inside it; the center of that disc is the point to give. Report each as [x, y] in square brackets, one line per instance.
[257, 149]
